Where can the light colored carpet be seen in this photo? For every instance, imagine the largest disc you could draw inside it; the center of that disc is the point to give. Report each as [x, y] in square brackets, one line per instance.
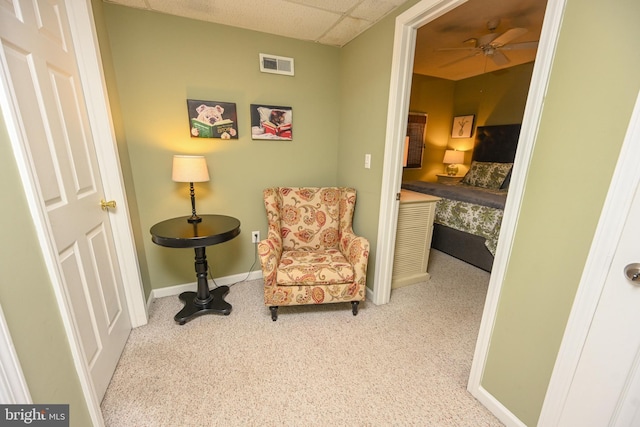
[405, 363]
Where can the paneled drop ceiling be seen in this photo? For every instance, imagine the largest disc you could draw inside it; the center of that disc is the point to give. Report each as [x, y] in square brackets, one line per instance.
[330, 22]
[444, 47]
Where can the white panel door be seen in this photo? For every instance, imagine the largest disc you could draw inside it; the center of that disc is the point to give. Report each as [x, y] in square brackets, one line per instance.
[605, 387]
[41, 79]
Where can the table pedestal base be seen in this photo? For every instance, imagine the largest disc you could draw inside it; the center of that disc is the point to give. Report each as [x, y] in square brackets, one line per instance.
[182, 233]
[194, 307]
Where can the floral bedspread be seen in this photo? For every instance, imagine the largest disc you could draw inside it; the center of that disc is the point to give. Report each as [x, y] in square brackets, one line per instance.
[473, 210]
[470, 218]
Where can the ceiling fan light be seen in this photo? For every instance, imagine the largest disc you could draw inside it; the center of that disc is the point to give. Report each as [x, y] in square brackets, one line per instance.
[492, 24]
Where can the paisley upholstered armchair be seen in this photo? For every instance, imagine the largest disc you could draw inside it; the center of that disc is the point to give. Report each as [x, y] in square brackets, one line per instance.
[311, 254]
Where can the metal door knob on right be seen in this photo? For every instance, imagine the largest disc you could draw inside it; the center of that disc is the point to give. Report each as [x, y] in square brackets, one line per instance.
[632, 271]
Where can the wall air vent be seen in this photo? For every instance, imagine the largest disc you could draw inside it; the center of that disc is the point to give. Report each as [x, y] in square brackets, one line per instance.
[276, 64]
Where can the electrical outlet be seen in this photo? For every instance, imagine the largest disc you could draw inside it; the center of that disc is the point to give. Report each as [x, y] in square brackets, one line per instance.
[255, 236]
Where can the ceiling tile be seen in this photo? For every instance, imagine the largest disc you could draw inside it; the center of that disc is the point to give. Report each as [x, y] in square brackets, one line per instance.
[197, 9]
[373, 10]
[314, 20]
[340, 6]
[347, 29]
[274, 16]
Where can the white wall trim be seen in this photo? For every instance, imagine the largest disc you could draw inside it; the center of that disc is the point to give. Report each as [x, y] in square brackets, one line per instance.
[404, 43]
[370, 295]
[220, 281]
[13, 386]
[497, 408]
[401, 73]
[626, 180]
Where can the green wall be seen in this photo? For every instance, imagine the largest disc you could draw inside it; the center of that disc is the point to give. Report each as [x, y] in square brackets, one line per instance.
[435, 97]
[586, 113]
[160, 61]
[365, 74]
[28, 301]
[494, 98]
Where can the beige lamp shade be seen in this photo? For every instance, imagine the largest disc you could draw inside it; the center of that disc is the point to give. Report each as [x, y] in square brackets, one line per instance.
[453, 157]
[189, 169]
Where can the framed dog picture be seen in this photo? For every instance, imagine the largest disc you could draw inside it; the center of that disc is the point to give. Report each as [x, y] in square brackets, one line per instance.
[212, 119]
[271, 122]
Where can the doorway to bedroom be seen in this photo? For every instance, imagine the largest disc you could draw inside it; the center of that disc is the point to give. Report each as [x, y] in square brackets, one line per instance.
[471, 73]
[472, 65]
[407, 25]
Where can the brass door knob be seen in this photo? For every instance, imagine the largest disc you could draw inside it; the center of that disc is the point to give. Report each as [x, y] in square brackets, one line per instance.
[106, 205]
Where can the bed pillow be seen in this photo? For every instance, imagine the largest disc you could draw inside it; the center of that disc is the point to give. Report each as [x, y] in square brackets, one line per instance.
[487, 174]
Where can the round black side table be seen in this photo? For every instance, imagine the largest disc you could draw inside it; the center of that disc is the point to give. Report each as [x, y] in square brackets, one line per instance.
[179, 233]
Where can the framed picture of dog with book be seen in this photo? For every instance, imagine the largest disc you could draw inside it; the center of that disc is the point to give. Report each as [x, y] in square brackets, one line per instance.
[271, 122]
[212, 119]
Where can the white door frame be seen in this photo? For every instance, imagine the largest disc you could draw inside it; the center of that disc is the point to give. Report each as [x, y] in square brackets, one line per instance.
[404, 45]
[13, 387]
[626, 178]
[400, 88]
[92, 80]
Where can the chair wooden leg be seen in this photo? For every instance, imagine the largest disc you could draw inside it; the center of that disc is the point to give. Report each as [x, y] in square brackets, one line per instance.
[274, 312]
[354, 307]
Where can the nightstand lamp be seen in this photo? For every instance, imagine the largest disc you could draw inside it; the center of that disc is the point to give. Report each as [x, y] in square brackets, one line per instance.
[190, 169]
[452, 158]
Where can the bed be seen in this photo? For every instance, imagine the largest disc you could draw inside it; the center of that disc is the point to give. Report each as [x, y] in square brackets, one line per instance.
[469, 214]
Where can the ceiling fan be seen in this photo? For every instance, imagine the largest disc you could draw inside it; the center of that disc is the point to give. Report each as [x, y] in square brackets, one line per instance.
[492, 44]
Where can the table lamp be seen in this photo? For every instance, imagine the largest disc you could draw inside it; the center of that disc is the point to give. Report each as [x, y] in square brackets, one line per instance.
[190, 169]
[452, 158]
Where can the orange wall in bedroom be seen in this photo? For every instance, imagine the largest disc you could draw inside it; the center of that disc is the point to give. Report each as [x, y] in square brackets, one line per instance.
[494, 98]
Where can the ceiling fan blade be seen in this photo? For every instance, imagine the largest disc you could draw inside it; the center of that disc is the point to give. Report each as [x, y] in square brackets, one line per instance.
[499, 58]
[455, 61]
[456, 48]
[525, 45]
[487, 39]
[507, 36]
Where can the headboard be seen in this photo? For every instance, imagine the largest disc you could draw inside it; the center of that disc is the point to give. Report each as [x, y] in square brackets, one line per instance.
[496, 143]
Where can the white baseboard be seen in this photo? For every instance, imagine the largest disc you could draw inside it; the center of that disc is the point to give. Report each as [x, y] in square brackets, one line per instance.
[220, 281]
[496, 408]
[13, 385]
[178, 289]
[370, 295]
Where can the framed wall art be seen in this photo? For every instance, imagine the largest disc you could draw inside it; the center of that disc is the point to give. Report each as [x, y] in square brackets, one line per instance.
[462, 126]
[212, 119]
[271, 122]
